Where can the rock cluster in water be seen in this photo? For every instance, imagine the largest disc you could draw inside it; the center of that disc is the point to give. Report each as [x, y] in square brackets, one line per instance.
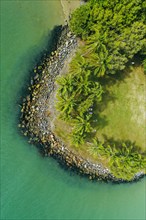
[35, 120]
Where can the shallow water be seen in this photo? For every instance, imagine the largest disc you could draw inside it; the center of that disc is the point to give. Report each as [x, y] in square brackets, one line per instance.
[33, 187]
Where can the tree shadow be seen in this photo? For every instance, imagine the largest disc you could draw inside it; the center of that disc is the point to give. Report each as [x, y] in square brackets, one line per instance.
[118, 144]
[110, 80]
[107, 97]
[122, 75]
[99, 120]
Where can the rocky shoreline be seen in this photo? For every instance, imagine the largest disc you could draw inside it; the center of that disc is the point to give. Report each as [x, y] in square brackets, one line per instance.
[35, 119]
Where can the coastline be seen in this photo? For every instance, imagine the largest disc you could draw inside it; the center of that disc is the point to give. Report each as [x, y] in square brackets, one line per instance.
[36, 115]
[69, 6]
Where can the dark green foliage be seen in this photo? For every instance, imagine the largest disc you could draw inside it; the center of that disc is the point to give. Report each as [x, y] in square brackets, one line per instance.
[125, 160]
[82, 12]
[77, 93]
[114, 31]
[107, 15]
[81, 128]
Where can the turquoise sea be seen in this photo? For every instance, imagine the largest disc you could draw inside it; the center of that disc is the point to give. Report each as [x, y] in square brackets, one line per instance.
[33, 187]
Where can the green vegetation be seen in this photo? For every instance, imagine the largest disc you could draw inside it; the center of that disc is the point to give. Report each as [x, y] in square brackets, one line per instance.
[112, 34]
[123, 158]
[144, 65]
[122, 110]
[120, 116]
[114, 31]
[76, 95]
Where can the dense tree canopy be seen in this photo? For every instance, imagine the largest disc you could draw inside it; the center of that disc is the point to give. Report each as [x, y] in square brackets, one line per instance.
[113, 31]
[107, 15]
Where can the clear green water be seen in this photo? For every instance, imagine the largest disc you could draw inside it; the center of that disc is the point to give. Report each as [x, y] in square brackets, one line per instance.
[33, 187]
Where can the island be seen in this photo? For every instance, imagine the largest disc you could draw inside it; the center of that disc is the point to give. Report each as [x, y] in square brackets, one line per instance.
[85, 103]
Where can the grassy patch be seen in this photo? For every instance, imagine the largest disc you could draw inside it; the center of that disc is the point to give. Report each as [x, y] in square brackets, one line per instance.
[63, 131]
[123, 109]
[119, 116]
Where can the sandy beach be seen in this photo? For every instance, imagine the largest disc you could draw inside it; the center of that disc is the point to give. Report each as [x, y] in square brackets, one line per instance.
[69, 6]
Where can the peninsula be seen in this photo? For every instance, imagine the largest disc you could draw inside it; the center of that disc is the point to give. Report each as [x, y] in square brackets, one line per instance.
[85, 103]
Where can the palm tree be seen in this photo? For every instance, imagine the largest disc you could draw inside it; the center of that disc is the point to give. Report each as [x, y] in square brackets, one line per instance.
[84, 106]
[99, 146]
[82, 124]
[98, 61]
[92, 44]
[83, 82]
[97, 91]
[77, 139]
[66, 85]
[96, 53]
[66, 106]
[78, 64]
